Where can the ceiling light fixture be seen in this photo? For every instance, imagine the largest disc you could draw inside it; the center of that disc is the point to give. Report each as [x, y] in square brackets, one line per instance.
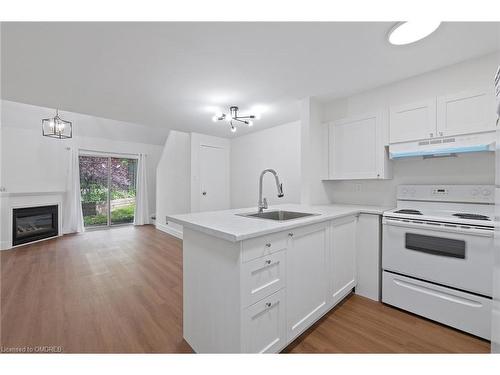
[411, 31]
[233, 118]
[56, 127]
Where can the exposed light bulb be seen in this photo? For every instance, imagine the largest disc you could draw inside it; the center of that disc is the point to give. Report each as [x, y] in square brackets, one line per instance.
[257, 116]
[250, 123]
[215, 118]
[233, 129]
[60, 126]
[52, 124]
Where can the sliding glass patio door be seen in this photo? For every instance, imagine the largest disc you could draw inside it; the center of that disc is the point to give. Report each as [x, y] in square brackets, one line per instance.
[108, 188]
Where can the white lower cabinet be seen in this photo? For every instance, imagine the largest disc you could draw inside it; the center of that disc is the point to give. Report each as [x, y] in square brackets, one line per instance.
[262, 277]
[307, 277]
[263, 325]
[343, 257]
[258, 295]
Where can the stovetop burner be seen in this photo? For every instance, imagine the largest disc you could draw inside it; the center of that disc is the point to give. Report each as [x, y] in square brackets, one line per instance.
[471, 216]
[408, 211]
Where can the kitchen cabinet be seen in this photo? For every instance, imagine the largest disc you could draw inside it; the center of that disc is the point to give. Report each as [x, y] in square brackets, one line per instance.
[307, 282]
[368, 255]
[343, 257]
[356, 148]
[466, 112]
[263, 325]
[257, 294]
[413, 121]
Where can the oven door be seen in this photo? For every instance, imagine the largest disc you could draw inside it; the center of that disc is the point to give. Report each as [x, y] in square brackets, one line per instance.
[456, 257]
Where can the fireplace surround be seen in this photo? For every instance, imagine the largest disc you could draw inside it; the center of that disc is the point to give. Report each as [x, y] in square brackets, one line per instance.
[34, 223]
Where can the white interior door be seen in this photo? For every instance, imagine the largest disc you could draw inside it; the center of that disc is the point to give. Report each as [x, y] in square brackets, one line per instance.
[214, 194]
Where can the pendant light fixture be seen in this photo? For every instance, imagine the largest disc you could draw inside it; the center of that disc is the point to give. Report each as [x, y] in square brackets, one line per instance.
[233, 118]
[56, 127]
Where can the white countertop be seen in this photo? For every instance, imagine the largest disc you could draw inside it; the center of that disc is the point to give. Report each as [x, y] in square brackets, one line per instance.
[227, 225]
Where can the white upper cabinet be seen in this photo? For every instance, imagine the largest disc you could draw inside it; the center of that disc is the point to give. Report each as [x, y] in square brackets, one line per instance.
[466, 112]
[413, 121]
[356, 148]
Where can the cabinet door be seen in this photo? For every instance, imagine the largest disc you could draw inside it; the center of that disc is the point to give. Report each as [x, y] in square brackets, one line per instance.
[368, 256]
[356, 147]
[466, 112]
[307, 282]
[263, 325]
[343, 257]
[411, 122]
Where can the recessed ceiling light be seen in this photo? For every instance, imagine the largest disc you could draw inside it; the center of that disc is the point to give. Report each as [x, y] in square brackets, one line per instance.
[411, 31]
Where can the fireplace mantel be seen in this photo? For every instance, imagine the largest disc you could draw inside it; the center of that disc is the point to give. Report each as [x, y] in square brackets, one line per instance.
[29, 193]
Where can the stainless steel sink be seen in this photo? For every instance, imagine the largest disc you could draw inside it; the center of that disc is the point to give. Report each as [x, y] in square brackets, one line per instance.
[278, 215]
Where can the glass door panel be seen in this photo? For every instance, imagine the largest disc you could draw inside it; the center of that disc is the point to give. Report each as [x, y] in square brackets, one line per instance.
[94, 176]
[122, 190]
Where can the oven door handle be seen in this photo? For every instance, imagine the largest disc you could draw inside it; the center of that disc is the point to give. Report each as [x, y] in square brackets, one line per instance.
[442, 227]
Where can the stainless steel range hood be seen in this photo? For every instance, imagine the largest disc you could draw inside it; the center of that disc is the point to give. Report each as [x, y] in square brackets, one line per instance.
[446, 146]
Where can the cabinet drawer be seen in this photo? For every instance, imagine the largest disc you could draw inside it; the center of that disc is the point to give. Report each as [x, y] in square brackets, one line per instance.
[263, 325]
[465, 311]
[262, 277]
[262, 246]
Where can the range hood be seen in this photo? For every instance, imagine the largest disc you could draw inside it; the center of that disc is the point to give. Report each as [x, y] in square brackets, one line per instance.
[446, 146]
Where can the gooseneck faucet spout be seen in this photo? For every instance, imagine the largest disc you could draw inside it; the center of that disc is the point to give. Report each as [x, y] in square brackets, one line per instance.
[279, 186]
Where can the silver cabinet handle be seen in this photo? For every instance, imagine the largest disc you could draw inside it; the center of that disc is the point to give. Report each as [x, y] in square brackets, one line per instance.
[204, 193]
[290, 234]
[268, 245]
[268, 304]
[268, 261]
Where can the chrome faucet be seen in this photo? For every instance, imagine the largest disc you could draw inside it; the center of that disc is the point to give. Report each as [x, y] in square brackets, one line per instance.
[279, 186]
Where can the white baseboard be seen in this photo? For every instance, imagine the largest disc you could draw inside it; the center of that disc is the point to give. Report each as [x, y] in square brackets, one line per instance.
[165, 228]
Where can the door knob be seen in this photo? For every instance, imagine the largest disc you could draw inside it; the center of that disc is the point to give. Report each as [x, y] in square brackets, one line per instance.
[204, 193]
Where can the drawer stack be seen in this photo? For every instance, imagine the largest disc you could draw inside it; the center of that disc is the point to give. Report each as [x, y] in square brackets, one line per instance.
[263, 293]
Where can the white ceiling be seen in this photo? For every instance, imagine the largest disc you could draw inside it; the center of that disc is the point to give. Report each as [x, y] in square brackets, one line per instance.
[170, 74]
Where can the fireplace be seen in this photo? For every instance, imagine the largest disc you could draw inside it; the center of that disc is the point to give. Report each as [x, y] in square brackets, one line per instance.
[34, 223]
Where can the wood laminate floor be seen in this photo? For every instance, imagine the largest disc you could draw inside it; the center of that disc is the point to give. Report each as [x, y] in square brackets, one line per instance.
[120, 291]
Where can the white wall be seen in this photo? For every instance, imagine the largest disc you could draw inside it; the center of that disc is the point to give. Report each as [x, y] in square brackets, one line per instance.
[173, 181]
[33, 163]
[465, 169]
[277, 148]
[314, 153]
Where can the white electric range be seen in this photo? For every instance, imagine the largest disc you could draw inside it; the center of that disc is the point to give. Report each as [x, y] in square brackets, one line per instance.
[437, 254]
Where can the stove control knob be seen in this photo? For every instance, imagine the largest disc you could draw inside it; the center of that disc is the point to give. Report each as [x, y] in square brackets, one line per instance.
[486, 192]
[474, 192]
